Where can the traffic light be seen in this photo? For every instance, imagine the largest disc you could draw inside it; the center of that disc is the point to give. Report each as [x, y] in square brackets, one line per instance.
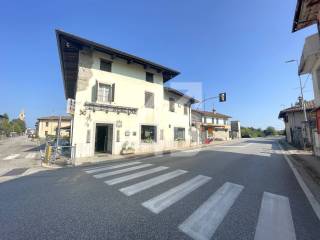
[222, 97]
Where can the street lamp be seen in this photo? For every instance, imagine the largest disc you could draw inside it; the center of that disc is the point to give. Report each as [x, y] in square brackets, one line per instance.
[301, 91]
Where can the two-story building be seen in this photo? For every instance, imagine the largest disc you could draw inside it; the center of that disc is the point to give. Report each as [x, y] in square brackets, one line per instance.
[211, 125]
[48, 126]
[121, 104]
[307, 13]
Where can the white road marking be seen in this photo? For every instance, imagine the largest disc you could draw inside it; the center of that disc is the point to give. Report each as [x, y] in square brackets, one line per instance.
[12, 156]
[203, 223]
[101, 169]
[31, 155]
[138, 187]
[234, 146]
[275, 220]
[166, 199]
[107, 174]
[312, 200]
[134, 175]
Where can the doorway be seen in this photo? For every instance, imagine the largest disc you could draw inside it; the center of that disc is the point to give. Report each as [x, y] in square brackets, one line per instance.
[103, 139]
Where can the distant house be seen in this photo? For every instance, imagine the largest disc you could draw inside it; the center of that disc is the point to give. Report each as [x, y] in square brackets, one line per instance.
[294, 122]
[47, 126]
[211, 125]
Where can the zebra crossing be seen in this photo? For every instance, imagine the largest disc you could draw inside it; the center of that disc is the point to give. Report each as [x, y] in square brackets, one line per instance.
[274, 220]
[31, 155]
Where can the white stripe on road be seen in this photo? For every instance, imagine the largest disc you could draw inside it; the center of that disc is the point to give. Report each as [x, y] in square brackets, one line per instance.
[31, 155]
[275, 220]
[166, 199]
[101, 169]
[203, 223]
[138, 187]
[134, 175]
[235, 146]
[107, 174]
[12, 156]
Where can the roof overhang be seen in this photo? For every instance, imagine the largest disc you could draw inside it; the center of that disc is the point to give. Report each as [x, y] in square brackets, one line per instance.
[310, 54]
[211, 114]
[69, 46]
[181, 94]
[306, 14]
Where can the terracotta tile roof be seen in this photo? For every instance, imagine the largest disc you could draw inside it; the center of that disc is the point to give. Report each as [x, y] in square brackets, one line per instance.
[211, 114]
[55, 118]
[310, 105]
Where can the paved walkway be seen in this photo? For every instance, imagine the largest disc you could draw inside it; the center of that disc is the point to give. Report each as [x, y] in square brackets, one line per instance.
[308, 166]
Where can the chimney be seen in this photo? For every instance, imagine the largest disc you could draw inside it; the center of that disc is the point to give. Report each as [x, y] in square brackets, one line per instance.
[213, 110]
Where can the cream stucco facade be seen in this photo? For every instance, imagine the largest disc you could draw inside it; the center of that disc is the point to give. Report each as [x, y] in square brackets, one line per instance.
[48, 125]
[130, 85]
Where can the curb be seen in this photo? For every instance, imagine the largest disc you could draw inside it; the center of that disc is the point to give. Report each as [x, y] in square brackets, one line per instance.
[148, 155]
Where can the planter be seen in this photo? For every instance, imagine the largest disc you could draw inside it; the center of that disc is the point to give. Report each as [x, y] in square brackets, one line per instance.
[127, 151]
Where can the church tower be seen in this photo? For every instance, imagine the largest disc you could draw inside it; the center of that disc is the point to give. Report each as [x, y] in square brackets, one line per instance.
[22, 115]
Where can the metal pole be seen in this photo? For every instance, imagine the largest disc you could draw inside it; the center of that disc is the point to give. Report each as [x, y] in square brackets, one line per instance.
[304, 109]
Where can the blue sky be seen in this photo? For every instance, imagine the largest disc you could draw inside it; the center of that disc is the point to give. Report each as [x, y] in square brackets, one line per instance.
[235, 46]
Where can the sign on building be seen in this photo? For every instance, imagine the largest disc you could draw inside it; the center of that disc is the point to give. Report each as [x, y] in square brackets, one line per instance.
[70, 106]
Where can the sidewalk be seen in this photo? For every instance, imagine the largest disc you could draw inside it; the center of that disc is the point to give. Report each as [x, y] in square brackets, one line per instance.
[89, 161]
[310, 162]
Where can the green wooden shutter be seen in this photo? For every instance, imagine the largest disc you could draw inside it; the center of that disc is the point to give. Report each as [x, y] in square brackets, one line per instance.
[112, 92]
[94, 92]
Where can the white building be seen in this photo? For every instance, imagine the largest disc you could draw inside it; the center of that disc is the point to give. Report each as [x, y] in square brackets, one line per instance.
[121, 104]
[211, 125]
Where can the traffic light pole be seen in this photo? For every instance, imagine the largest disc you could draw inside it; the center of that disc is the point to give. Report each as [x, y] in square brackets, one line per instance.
[221, 96]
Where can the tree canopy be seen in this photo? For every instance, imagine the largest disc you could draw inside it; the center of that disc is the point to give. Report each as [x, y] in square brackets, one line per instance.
[15, 125]
[250, 132]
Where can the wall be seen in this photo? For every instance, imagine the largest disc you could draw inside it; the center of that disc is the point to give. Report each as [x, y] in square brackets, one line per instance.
[130, 87]
[52, 126]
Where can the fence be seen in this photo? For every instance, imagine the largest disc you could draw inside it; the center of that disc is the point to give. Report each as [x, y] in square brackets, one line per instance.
[61, 155]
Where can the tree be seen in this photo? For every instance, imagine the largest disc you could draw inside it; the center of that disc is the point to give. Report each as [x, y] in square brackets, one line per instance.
[270, 131]
[5, 126]
[18, 126]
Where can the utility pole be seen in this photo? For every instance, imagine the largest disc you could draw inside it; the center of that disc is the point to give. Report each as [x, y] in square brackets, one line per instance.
[302, 97]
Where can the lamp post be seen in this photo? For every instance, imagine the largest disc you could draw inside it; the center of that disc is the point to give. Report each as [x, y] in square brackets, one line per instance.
[301, 92]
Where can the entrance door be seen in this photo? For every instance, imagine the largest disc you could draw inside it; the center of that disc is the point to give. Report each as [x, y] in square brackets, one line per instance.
[103, 141]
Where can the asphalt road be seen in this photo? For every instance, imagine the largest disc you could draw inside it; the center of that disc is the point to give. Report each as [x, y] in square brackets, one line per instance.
[18, 152]
[242, 190]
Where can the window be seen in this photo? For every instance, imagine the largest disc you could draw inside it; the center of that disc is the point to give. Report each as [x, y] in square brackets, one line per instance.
[161, 134]
[149, 77]
[148, 134]
[104, 92]
[171, 104]
[225, 122]
[185, 109]
[47, 124]
[217, 120]
[149, 100]
[179, 134]
[105, 65]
